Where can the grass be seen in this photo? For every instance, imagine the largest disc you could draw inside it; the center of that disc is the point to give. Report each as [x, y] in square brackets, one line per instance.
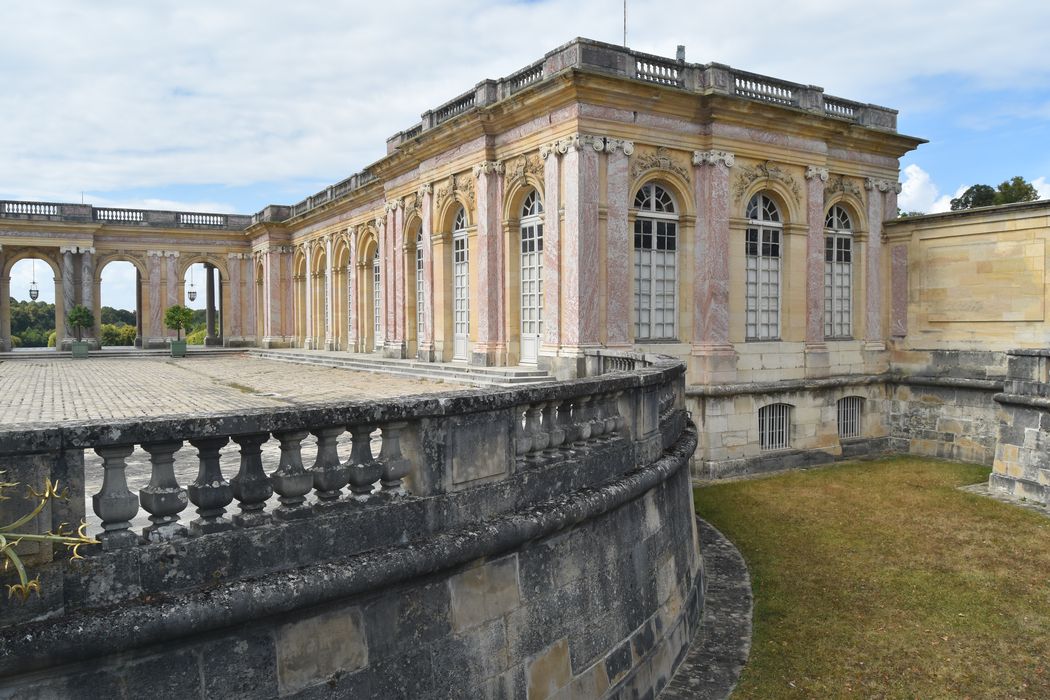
[883, 580]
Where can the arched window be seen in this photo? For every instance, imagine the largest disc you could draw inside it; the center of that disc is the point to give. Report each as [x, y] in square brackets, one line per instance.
[531, 277]
[762, 247]
[377, 302]
[655, 264]
[419, 286]
[838, 274]
[460, 288]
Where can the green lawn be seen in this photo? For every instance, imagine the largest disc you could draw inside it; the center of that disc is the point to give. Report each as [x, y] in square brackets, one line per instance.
[881, 579]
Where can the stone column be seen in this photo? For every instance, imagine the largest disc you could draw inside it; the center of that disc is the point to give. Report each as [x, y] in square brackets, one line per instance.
[87, 293]
[384, 281]
[873, 263]
[155, 328]
[251, 331]
[389, 279]
[551, 155]
[308, 296]
[817, 362]
[425, 346]
[69, 294]
[210, 337]
[171, 260]
[716, 359]
[5, 307]
[618, 244]
[351, 292]
[399, 291]
[579, 271]
[489, 348]
[284, 293]
[140, 336]
[237, 305]
[329, 317]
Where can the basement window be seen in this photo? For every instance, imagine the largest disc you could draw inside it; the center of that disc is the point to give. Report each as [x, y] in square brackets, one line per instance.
[774, 426]
[849, 410]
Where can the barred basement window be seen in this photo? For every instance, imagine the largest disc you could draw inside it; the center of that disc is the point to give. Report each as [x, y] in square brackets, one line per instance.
[655, 264]
[762, 247]
[774, 426]
[838, 274]
[850, 409]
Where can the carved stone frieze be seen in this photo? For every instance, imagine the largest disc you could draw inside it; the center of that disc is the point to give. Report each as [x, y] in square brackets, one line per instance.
[660, 159]
[843, 184]
[714, 158]
[461, 184]
[765, 171]
[488, 167]
[523, 166]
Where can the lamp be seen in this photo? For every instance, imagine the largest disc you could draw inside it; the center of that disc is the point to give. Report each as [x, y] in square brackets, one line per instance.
[34, 292]
[192, 293]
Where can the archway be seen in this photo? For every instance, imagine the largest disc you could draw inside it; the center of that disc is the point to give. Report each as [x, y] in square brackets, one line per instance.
[30, 321]
[195, 281]
[120, 305]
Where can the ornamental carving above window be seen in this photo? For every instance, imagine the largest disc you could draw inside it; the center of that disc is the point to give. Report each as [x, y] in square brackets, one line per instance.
[765, 171]
[660, 160]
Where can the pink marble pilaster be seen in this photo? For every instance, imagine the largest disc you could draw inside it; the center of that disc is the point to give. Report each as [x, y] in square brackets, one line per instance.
[815, 179]
[580, 243]
[351, 294]
[329, 288]
[426, 344]
[399, 273]
[618, 245]
[155, 328]
[490, 287]
[171, 285]
[711, 251]
[388, 278]
[551, 249]
[250, 290]
[308, 329]
[899, 290]
[236, 310]
[286, 292]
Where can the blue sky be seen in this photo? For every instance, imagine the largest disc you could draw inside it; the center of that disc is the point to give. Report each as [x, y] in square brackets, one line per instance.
[227, 107]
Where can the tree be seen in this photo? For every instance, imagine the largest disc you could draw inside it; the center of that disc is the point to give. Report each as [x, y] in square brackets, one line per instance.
[1016, 189]
[80, 318]
[117, 317]
[178, 317]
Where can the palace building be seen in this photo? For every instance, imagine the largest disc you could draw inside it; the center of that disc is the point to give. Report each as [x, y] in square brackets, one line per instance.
[597, 198]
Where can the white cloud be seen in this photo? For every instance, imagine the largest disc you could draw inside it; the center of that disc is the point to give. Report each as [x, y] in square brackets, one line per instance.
[132, 95]
[1042, 187]
[920, 193]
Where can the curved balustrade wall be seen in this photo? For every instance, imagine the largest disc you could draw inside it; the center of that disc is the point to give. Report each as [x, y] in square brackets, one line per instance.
[514, 543]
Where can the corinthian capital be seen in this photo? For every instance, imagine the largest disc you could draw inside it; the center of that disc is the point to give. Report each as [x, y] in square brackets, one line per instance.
[714, 158]
[488, 167]
[813, 171]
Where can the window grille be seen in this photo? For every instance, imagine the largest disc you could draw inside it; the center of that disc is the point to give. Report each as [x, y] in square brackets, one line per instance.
[774, 426]
[762, 247]
[838, 274]
[849, 410]
[655, 264]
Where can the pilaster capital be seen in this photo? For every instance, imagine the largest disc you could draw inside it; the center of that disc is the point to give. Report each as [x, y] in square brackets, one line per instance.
[613, 145]
[380, 223]
[391, 205]
[72, 249]
[424, 189]
[548, 149]
[714, 158]
[171, 253]
[814, 171]
[89, 251]
[871, 183]
[488, 167]
[149, 253]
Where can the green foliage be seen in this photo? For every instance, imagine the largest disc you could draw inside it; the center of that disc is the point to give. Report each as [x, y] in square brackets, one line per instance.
[1016, 189]
[52, 339]
[80, 318]
[117, 334]
[196, 337]
[37, 315]
[118, 317]
[178, 317]
[16, 342]
[33, 337]
[200, 318]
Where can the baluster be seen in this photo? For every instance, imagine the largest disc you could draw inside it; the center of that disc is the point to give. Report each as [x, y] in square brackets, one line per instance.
[210, 492]
[581, 418]
[395, 466]
[329, 475]
[609, 411]
[290, 479]
[251, 487]
[550, 424]
[522, 439]
[597, 418]
[115, 504]
[620, 422]
[364, 470]
[539, 438]
[163, 499]
[567, 425]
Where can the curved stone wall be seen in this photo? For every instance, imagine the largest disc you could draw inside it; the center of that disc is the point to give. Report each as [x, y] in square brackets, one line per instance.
[573, 571]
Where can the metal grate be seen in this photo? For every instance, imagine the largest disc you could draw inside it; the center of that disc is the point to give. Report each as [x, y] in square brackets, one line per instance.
[849, 410]
[774, 426]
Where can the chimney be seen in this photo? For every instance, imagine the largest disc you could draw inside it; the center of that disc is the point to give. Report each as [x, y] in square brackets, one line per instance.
[680, 55]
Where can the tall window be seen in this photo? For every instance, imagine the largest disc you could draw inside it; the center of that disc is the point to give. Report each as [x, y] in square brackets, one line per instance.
[838, 274]
[377, 301]
[419, 286]
[655, 264]
[774, 426]
[762, 247]
[531, 277]
[460, 287]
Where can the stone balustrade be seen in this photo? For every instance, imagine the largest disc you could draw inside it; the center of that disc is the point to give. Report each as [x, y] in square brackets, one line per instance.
[458, 479]
[114, 216]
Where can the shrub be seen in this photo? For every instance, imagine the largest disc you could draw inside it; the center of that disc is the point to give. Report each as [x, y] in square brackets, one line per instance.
[178, 317]
[196, 337]
[52, 339]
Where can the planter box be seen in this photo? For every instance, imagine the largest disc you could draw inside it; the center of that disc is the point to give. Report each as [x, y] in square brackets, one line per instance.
[178, 348]
[80, 348]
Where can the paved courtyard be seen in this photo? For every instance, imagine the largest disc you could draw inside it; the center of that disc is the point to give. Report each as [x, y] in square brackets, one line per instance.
[53, 390]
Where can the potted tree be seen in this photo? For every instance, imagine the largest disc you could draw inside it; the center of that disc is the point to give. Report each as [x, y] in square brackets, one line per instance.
[80, 318]
[176, 318]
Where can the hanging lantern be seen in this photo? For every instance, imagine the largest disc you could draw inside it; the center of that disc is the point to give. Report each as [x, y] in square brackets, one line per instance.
[191, 294]
[34, 292]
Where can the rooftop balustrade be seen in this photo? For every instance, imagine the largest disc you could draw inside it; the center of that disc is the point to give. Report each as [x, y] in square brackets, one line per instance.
[86, 213]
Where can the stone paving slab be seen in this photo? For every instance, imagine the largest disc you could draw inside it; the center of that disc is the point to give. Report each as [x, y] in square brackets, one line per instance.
[49, 391]
[722, 644]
